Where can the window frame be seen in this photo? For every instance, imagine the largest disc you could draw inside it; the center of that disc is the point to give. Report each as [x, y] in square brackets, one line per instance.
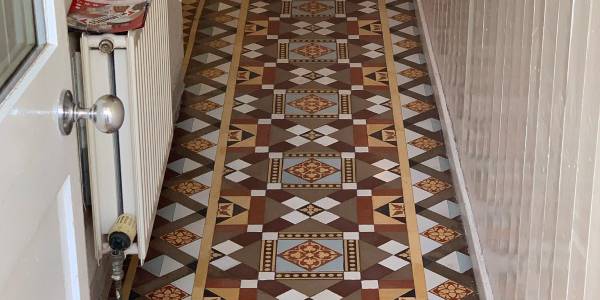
[29, 59]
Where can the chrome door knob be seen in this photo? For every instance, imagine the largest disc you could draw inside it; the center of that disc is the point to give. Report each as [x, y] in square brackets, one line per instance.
[107, 113]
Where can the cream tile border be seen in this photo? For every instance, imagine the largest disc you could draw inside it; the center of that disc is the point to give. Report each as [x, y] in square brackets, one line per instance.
[219, 165]
[129, 276]
[192, 37]
[409, 201]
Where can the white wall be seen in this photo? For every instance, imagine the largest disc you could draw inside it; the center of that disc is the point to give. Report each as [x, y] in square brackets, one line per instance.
[522, 83]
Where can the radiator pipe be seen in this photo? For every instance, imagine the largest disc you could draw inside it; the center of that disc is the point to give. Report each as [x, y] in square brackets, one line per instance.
[117, 258]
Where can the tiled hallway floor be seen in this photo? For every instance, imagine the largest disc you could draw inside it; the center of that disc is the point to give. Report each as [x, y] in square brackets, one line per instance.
[316, 169]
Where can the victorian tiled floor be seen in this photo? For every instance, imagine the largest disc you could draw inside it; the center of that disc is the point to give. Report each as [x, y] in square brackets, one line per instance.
[308, 161]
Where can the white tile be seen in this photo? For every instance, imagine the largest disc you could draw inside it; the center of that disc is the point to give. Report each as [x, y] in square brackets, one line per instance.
[378, 109]
[298, 129]
[324, 24]
[417, 176]
[174, 212]
[295, 202]
[300, 80]
[325, 72]
[258, 192]
[326, 203]
[200, 89]
[237, 176]
[249, 284]
[325, 217]
[266, 275]
[275, 155]
[393, 247]
[227, 247]
[420, 195]
[192, 125]
[261, 149]
[297, 141]
[438, 163]
[270, 236]
[244, 108]
[366, 228]
[185, 283]
[238, 164]
[326, 130]
[428, 245]
[225, 263]
[273, 186]
[373, 54]
[347, 155]
[411, 135]
[457, 262]
[301, 24]
[162, 265]
[387, 176]
[424, 223]
[430, 124]
[393, 263]
[378, 99]
[385, 164]
[292, 295]
[364, 193]
[433, 279]
[447, 209]
[326, 295]
[351, 236]
[325, 80]
[295, 217]
[369, 284]
[254, 228]
[196, 227]
[351, 275]
[193, 248]
[348, 186]
[324, 31]
[300, 71]
[325, 140]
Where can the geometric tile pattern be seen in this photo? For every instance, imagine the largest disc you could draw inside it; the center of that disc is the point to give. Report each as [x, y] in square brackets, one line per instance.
[448, 268]
[311, 204]
[168, 272]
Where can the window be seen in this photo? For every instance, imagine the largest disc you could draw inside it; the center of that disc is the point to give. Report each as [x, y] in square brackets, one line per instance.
[18, 37]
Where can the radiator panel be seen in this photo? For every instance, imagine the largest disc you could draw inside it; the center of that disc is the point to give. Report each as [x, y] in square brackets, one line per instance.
[150, 87]
[143, 71]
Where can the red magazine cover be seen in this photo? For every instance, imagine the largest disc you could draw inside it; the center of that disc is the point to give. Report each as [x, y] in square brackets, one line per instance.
[107, 16]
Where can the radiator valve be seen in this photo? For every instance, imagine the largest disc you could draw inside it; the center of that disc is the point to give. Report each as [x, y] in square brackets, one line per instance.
[120, 238]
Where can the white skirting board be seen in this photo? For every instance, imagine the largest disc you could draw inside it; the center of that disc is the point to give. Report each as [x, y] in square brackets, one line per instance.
[479, 268]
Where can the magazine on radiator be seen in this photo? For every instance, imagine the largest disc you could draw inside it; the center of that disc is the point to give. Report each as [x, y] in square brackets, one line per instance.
[107, 16]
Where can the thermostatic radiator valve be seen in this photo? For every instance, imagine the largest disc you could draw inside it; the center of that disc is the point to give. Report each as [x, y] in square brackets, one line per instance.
[120, 237]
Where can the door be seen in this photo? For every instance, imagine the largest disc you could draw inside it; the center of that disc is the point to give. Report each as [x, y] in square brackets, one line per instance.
[42, 253]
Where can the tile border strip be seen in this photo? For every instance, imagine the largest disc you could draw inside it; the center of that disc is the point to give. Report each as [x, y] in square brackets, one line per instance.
[192, 38]
[411, 214]
[219, 162]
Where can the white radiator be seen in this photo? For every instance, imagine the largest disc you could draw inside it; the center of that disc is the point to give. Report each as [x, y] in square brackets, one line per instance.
[126, 171]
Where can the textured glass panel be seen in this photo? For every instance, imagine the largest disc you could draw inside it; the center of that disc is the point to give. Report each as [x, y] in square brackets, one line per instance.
[17, 35]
